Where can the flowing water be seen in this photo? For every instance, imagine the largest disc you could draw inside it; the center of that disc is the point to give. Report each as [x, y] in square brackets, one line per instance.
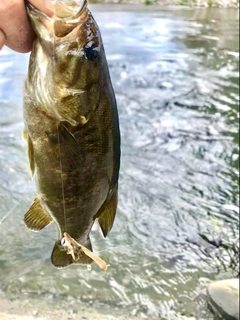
[175, 75]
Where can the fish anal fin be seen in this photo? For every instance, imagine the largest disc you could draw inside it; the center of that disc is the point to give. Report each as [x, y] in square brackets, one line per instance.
[31, 161]
[107, 216]
[36, 218]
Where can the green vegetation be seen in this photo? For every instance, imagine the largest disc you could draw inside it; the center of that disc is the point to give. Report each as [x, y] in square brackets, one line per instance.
[187, 2]
[226, 255]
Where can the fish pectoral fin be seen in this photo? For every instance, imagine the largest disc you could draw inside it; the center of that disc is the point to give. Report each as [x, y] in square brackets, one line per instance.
[36, 218]
[67, 136]
[107, 216]
[24, 134]
[69, 146]
[30, 151]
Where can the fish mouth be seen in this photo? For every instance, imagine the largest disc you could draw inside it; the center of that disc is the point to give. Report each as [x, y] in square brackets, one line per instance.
[64, 10]
[67, 15]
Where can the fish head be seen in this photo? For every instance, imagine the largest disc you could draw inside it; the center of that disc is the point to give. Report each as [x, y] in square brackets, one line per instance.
[70, 55]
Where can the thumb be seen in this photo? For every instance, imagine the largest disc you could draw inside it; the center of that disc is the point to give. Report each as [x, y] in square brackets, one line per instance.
[43, 5]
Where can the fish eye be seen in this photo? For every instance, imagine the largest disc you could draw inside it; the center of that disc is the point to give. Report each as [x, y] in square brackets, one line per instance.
[90, 51]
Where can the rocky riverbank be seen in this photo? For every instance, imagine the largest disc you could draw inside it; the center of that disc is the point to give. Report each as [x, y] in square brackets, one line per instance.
[25, 309]
[189, 3]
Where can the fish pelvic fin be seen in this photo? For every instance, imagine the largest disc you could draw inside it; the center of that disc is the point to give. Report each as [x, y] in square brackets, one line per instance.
[36, 218]
[69, 251]
[107, 214]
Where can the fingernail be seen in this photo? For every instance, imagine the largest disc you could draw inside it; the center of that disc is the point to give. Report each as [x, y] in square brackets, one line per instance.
[48, 5]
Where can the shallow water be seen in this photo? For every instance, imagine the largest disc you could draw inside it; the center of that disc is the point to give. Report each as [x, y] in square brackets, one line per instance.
[175, 74]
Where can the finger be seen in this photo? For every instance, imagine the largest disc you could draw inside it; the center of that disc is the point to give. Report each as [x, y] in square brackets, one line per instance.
[43, 5]
[15, 25]
[2, 39]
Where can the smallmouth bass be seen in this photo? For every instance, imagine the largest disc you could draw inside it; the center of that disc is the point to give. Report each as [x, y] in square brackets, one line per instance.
[72, 131]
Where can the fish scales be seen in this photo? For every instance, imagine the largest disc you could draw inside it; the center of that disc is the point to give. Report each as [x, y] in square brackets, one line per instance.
[72, 131]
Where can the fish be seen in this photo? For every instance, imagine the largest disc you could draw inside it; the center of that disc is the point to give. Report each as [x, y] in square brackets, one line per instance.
[71, 127]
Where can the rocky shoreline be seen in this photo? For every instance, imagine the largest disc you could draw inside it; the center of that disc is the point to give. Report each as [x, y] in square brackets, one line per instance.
[222, 297]
[187, 3]
[40, 309]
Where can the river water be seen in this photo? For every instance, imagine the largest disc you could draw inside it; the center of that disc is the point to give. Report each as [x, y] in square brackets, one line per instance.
[175, 75]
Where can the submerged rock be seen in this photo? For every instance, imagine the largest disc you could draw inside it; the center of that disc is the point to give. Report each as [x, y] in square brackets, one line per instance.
[224, 298]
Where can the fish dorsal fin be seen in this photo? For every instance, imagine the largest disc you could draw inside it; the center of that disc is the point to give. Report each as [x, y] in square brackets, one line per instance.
[36, 218]
[107, 214]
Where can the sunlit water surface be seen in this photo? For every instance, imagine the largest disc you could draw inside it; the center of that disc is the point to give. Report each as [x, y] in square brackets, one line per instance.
[175, 75]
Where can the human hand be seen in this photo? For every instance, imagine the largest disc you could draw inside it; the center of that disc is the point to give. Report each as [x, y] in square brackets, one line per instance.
[15, 29]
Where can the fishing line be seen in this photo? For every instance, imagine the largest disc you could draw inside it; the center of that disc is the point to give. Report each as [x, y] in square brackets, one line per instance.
[60, 157]
[12, 276]
[9, 212]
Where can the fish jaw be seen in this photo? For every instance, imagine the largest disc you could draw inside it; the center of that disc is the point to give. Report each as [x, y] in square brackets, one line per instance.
[69, 10]
[66, 13]
[62, 27]
[41, 23]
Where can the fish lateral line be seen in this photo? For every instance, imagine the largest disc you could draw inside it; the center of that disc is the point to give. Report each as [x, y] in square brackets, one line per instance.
[76, 250]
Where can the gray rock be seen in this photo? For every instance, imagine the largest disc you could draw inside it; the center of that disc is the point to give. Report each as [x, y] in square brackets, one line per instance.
[224, 298]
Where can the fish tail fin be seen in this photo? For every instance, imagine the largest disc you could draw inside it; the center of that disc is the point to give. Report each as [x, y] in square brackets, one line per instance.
[68, 251]
[86, 256]
[82, 258]
[59, 257]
